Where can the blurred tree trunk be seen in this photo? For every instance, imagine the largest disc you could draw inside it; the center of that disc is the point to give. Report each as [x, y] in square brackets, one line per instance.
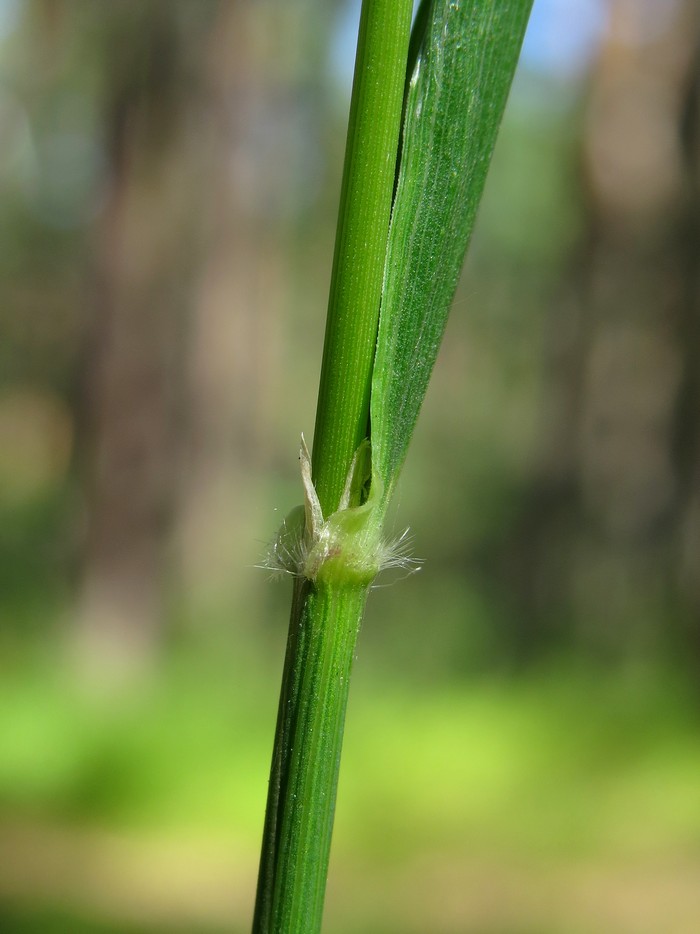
[144, 265]
[208, 119]
[235, 328]
[688, 412]
[263, 79]
[618, 488]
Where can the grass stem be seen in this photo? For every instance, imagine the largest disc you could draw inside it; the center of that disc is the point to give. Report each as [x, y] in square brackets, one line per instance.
[325, 620]
[360, 248]
[326, 612]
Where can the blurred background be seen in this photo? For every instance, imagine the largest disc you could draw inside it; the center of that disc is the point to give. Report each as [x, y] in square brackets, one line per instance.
[523, 742]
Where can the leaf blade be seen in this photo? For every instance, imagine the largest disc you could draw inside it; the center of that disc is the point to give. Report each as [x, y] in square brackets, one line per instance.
[455, 101]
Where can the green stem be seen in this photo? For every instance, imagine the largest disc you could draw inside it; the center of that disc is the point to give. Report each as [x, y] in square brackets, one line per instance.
[326, 612]
[360, 248]
[323, 631]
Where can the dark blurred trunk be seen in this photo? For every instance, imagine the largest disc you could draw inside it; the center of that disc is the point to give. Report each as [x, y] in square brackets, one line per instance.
[618, 489]
[208, 149]
[687, 448]
[144, 263]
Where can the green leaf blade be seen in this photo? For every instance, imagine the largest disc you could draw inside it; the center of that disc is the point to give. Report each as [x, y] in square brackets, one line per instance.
[455, 102]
